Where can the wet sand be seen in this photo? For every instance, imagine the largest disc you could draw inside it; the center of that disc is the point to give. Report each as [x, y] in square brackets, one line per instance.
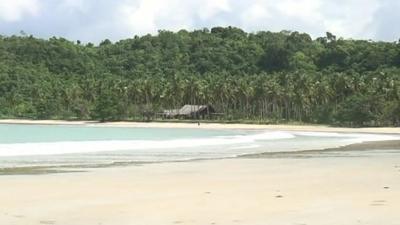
[370, 145]
[364, 146]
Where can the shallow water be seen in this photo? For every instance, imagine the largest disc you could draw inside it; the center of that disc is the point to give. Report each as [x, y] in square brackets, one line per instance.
[86, 145]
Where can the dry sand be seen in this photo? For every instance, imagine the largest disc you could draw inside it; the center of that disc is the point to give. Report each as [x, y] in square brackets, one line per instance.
[315, 128]
[320, 191]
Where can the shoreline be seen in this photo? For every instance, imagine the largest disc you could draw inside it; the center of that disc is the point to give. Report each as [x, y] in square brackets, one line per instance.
[325, 153]
[307, 128]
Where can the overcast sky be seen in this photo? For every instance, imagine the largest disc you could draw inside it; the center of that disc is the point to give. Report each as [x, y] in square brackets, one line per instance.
[95, 20]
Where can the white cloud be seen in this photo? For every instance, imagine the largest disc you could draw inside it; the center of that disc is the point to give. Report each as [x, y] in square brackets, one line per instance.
[209, 8]
[255, 15]
[148, 16]
[281, 15]
[14, 10]
[347, 18]
[80, 5]
[307, 10]
[351, 18]
[94, 20]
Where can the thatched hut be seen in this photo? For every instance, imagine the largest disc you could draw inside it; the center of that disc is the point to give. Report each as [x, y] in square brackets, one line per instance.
[190, 111]
[196, 111]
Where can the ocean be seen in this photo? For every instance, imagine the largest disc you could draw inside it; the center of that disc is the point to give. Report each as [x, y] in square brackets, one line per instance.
[96, 145]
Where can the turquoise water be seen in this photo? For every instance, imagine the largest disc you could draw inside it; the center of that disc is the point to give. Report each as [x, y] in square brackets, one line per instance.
[56, 133]
[93, 145]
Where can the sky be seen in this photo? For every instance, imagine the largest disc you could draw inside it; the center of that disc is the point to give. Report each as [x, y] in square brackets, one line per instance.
[96, 20]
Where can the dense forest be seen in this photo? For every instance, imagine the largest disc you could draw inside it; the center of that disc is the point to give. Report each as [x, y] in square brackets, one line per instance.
[263, 77]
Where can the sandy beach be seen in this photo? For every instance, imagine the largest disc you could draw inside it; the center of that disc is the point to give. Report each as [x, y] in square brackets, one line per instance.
[323, 191]
[360, 185]
[311, 128]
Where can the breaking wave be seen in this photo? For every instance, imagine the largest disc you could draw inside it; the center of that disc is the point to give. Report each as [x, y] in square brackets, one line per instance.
[108, 152]
[74, 147]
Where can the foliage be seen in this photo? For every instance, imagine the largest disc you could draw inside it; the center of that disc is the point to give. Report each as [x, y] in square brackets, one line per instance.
[263, 76]
[355, 110]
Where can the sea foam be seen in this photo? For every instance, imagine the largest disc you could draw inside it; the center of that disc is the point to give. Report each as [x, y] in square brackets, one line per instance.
[74, 147]
[270, 141]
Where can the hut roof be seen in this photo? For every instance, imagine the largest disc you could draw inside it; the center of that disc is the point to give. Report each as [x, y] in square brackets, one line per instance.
[190, 109]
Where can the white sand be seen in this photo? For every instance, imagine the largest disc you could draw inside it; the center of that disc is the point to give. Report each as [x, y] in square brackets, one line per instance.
[321, 128]
[320, 191]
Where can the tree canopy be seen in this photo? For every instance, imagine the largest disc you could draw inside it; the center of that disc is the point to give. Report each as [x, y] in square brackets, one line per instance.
[263, 76]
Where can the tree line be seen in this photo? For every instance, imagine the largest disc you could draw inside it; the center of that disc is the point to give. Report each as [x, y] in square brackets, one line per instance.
[263, 77]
